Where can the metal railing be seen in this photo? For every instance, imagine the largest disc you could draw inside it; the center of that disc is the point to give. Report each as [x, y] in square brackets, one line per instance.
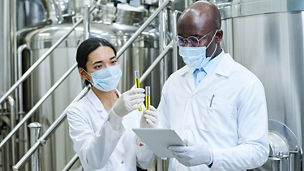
[71, 163]
[13, 112]
[53, 126]
[42, 58]
[27, 74]
[60, 119]
[38, 62]
[37, 105]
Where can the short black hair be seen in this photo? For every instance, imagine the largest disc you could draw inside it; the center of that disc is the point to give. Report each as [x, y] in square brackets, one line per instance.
[88, 46]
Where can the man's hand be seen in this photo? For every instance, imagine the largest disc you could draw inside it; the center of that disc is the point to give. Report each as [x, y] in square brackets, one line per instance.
[192, 155]
[149, 118]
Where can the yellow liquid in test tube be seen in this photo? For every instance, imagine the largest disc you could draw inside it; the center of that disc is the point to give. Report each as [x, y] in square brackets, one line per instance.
[148, 98]
[137, 82]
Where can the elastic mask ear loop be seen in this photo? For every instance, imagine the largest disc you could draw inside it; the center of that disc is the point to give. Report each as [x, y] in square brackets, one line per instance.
[89, 75]
[211, 39]
[210, 44]
[213, 51]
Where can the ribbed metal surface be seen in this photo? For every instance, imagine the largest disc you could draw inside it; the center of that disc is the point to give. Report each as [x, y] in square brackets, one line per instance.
[270, 43]
[237, 8]
[4, 48]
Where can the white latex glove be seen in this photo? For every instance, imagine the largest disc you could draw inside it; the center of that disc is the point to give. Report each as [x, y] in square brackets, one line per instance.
[192, 155]
[149, 118]
[129, 101]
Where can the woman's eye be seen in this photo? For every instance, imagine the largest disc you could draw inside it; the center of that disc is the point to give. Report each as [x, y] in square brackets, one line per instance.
[113, 62]
[98, 67]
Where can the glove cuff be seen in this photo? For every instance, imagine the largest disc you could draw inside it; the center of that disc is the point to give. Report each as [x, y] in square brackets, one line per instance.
[115, 120]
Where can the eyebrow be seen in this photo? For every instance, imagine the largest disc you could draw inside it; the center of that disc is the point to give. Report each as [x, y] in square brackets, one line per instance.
[112, 57]
[97, 62]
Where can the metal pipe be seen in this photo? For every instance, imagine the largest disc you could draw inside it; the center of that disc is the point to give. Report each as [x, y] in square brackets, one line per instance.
[291, 161]
[5, 152]
[86, 22]
[156, 61]
[58, 12]
[19, 73]
[36, 64]
[162, 44]
[45, 96]
[141, 28]
[19, 98]
[34, 131]
[12, 104]
[6, 46]
[173, 17]
[43, 138]
[13, 39]
[71, 163]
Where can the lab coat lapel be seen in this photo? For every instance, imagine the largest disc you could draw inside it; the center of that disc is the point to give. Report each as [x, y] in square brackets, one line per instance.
[188, 84]
[223, 69]
[95, 101]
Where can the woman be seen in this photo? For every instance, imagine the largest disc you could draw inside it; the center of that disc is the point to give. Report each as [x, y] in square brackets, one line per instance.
[101, 122]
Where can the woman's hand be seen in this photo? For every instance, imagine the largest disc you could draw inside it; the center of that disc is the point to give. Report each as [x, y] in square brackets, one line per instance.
[129, 101]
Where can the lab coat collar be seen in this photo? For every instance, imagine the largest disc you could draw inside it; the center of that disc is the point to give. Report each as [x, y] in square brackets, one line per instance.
[95, 100]
[224, 67]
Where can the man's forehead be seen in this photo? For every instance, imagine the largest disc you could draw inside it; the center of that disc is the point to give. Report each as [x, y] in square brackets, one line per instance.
[190, 25]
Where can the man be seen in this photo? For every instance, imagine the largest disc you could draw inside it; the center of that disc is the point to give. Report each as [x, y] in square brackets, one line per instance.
[214, 103]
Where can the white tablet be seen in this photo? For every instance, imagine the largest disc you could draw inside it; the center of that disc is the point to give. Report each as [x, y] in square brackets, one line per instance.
[158, 140]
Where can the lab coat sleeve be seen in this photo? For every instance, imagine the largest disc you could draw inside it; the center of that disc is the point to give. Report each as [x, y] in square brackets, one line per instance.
[144, 156]
[93, 148]
[253, 148]
[162, 110]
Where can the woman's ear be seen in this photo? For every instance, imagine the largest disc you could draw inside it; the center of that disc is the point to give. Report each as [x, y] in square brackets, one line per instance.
[83, 74]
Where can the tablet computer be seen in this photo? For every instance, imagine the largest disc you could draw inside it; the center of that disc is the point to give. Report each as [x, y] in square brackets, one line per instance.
[159, 139]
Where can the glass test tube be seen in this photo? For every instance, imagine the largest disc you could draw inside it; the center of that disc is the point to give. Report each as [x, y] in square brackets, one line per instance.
[148, 98]
[137, 82]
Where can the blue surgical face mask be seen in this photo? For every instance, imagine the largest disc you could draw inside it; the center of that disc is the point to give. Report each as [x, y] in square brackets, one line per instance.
[106, 79]
[195, 57]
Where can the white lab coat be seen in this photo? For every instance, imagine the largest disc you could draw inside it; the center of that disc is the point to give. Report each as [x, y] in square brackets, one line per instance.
[234, 125]
[98, 145]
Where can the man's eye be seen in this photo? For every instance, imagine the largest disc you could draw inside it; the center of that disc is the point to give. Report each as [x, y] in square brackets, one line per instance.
[113, 62]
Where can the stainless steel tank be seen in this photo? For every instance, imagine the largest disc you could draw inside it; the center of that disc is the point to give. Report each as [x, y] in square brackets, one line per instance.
[59, 149]
[7, 114]
[5, 59]
[266, 36]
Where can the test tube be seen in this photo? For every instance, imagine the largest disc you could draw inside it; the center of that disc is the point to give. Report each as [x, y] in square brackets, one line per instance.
[137, 82]
[148, 97]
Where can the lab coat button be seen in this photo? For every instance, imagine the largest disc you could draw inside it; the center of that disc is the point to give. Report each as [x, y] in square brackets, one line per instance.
[122, 162]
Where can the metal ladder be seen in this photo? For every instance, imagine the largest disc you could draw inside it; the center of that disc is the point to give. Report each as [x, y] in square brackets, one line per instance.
[165, 49]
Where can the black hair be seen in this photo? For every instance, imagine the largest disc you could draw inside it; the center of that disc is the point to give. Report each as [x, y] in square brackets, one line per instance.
[88, 46]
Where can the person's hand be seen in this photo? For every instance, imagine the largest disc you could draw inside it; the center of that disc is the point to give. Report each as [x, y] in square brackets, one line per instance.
[129, 101]
[149, 118]
[191, 155]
